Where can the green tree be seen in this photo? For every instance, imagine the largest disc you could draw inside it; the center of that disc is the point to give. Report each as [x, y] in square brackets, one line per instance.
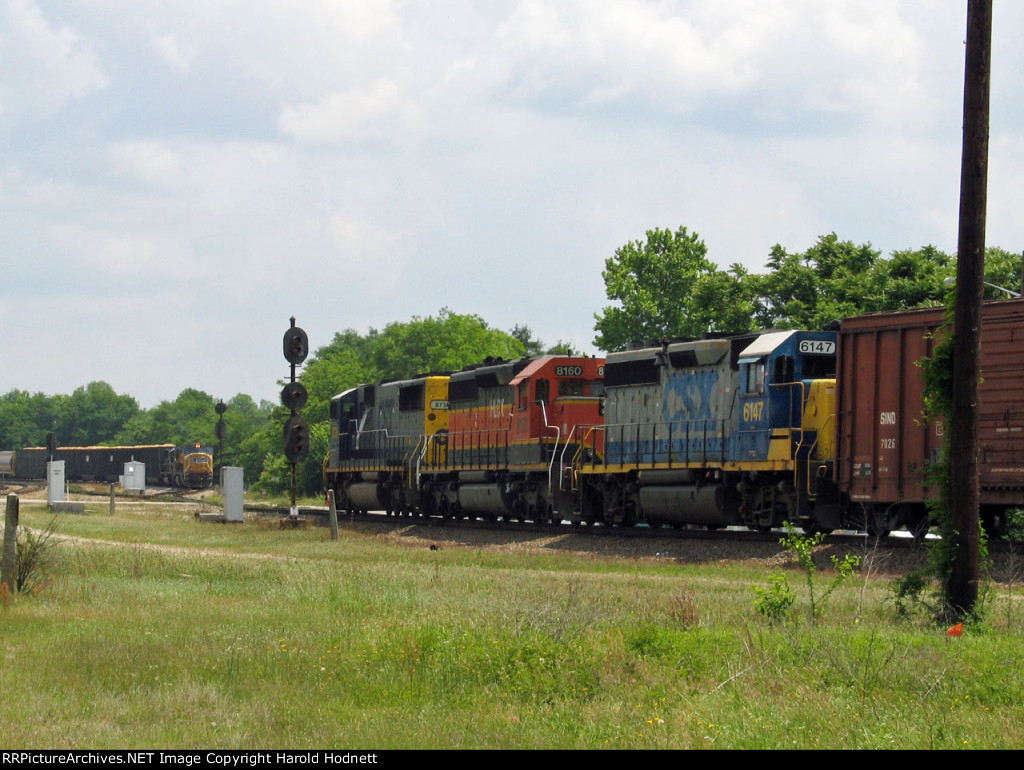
[1002, 268]
[190, 417]
[828, 282]
[531, 346]
[667, 287]
[93, 414]
[447, 342]
[245, 422]
[25, 419]
[908, 279]
[534, 347]
[836, 279]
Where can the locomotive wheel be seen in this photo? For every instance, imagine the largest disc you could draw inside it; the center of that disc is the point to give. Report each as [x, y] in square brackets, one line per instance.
[918, 525]
[813, 528]
[877, 521]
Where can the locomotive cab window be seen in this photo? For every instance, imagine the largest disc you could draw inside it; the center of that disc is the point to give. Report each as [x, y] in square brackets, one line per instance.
[784, 369]
[411, 398]
[524, 395]
[819, 367]
[570, 387]
[543, 391]
[753, 377]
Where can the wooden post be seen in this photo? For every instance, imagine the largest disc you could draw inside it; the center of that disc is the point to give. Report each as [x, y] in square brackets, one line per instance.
[964, 498]
[111, 499]
[9, 561]
[332, 512]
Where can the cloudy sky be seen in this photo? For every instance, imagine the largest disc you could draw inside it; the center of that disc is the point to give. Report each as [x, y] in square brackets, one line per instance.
[178, 179]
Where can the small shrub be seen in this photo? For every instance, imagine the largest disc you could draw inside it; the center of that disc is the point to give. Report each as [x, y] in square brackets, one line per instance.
[35, 557]
[775, 601]
[908, 593]
[802, 547]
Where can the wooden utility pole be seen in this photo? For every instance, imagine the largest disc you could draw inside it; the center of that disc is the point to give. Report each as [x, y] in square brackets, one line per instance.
[962, 589]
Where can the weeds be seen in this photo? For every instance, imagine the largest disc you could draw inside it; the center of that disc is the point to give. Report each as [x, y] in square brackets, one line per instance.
[908, 594]
[775, 601]
[35, 558]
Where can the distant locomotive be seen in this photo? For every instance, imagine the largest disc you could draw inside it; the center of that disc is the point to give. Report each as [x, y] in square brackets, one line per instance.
[752, 430]
[188, 466]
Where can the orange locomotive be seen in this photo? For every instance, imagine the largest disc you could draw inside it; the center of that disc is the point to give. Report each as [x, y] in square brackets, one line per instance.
[498, 443]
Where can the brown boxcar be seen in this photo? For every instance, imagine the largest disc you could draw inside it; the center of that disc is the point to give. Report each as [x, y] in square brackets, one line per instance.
[885, 443]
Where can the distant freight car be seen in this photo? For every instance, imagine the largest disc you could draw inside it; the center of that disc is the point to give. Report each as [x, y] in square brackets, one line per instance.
[187, 466]
[6, 463]
[885, 444]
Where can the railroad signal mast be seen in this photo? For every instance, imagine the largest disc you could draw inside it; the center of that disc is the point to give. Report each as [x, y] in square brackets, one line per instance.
[219, 430]
[294, 396]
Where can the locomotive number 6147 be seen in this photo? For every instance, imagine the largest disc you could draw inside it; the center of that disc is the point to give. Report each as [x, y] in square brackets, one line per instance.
[818, 347]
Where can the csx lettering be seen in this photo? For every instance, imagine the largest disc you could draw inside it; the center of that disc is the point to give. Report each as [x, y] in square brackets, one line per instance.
[689, 398]
[752, 410]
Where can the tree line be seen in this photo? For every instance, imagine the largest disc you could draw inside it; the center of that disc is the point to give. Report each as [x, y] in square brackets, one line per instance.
[666, 286]
[663, 286]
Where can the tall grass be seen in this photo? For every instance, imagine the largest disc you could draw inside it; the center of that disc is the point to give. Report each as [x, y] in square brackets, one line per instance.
[249, 636]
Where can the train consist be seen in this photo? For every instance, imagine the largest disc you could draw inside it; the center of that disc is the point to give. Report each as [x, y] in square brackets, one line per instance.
[823, 429]
[187, 466]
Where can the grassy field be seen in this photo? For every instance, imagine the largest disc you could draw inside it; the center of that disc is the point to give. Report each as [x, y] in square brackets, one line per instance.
[152, 630]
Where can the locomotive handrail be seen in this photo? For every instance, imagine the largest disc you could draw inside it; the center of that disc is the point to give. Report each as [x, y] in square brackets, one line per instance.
[561, 461]
[707, 428]
[592, 431]
[812, 494]
[809, 456]
[558, 435]
[384, 450]
[463, 442]
[425, 441]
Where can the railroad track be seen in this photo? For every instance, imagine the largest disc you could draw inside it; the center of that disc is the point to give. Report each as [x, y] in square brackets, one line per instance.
[738, 535]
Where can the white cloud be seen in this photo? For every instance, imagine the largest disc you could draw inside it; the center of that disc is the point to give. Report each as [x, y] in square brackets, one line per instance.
[171, 51]
[42, 67]
[766, 57]
[154, 162]
[375, 111]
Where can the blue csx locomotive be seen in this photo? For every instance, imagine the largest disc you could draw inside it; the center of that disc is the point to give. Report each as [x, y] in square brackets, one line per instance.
[716, 432]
